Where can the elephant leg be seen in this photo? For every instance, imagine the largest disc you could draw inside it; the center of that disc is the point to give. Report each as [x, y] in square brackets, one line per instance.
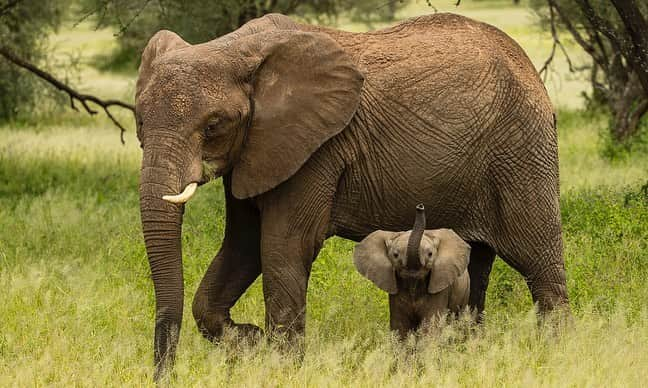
[227, 278]
[482, 257]
[292, 233]
[286, 269]
[545, 277]
[529, 239]
[232, 271]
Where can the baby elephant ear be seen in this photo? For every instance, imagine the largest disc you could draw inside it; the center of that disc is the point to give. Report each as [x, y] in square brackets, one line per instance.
[371, 260]
[453, 254]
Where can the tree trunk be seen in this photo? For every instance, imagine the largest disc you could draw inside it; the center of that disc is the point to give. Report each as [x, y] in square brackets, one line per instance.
[637, 30]
[628, 106]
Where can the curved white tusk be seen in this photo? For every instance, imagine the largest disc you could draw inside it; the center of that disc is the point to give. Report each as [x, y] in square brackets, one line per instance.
[184, 196]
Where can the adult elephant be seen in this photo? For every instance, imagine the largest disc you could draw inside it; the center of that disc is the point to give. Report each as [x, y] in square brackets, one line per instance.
[318, 132]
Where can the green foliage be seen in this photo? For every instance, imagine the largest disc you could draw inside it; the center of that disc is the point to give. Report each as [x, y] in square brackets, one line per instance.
[199, 21]
[616, 151]
[595, 25]
[606, 232]
[23, 30]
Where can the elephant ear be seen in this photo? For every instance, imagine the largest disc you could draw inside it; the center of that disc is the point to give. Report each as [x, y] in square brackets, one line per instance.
[370, 259]
[459, 294]
[163, 41]
[453, 255]
[305, 90]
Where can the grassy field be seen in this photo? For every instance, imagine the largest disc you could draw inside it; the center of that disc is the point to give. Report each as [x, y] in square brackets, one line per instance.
[77, 305]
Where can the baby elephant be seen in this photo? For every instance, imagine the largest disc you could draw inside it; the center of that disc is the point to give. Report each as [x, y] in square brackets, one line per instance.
[424, 272]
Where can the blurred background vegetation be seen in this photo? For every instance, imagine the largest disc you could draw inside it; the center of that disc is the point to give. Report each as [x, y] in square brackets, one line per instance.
[604, 56]
[24, 29]
[199, 21]
[77, 304]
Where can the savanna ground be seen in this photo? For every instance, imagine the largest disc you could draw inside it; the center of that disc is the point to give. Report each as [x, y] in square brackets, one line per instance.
[77, 303]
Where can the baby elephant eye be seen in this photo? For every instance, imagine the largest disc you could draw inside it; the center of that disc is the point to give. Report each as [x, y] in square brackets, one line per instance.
[213, 128]
[211, 131]
[429, 254]
[395, 255]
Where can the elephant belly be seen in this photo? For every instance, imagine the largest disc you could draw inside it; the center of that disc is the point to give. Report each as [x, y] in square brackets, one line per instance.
[366, 202]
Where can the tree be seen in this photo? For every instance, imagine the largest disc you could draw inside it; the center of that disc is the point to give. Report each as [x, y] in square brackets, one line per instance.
[24, 31]
[199, 21]
[615, 36]
[24, 27]
[83, 99]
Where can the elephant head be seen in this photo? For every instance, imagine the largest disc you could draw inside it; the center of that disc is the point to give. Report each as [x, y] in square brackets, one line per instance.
[383, 256]
[253, 104]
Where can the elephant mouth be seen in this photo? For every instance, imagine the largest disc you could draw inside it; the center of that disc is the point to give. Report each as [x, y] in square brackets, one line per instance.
[210, 171]
[421, 273]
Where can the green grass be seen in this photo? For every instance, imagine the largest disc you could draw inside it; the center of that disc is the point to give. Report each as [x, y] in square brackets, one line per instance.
[77, 305]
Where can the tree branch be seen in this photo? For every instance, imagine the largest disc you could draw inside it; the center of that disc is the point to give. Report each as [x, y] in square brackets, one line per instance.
[601, 24]
[577, 36]
[637, 114]
[125, 26]
[88, 14]
[556, 43]
[84, 99]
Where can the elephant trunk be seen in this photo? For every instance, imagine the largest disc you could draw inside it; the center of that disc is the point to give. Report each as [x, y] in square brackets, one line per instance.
[162, 227]
[414, 242]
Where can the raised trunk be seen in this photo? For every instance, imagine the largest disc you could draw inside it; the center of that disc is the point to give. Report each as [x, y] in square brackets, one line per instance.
[413, 260]
[162, 225]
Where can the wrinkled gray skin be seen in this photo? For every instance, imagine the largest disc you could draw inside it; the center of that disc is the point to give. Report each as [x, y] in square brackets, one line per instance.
[318, 132]
[437, 284]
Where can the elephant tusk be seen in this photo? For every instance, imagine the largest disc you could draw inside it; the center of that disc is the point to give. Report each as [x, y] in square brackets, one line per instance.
[184, 196]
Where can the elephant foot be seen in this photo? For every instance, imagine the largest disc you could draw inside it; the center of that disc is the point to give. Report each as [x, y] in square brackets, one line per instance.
[214, 329]
[246, 330]
[291, 348]
[289, 343]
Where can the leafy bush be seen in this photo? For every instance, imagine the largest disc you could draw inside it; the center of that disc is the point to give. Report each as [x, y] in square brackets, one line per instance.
[606, 240]
[24, 28]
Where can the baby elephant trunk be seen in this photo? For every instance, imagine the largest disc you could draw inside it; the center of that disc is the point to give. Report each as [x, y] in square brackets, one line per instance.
[413, 260]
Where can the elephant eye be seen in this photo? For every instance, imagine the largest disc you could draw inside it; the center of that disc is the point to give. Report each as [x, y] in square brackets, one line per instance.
[214, 128]
[429, 254]
[396, 255]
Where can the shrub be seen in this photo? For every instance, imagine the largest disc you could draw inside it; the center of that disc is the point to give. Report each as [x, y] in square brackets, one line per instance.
[24, 28]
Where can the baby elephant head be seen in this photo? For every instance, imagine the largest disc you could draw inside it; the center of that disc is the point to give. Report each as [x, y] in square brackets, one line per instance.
[383, 256]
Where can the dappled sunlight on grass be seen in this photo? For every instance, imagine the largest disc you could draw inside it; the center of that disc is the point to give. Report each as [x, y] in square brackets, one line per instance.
[582, 164]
